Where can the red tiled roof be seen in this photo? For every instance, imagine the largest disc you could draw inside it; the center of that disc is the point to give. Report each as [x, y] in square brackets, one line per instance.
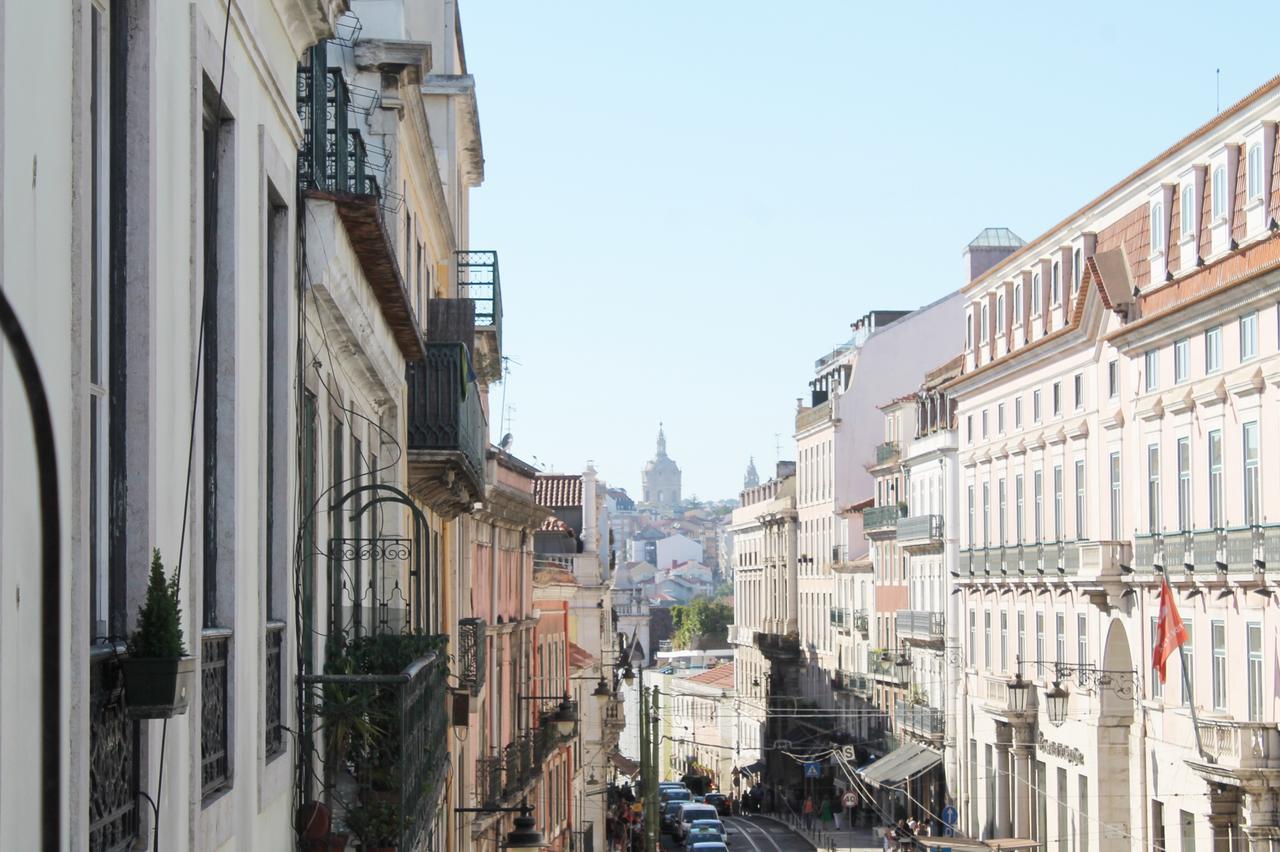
[579, 658]
[720, 676]
[558, 490]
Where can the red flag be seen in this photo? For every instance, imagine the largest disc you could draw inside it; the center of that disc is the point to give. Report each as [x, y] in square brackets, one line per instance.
[1170, 633]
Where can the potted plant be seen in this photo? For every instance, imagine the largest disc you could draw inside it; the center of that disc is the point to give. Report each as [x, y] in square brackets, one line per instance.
[158, 674]
[377, 824]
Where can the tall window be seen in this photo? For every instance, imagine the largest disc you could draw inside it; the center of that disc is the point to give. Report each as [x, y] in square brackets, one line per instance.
[1060, 638]
[1157, 227]
[968, 331]
[1000, 314]
[1035, 295]
[1000, 418]
[1215, 479]
[1153, 488]
[1213, 349]
[1022, 639]
[1057, 502]
[1184, 484]
[1077, 270]
[1252, 477]
[1181, 360]
[1218, 639]
[1004, 640]
[1113, 379]
[986, 637]
[1082, 814]
[1038, 488]
[1017, 304]
[1055, 284]
[1188, 210]
[1253, 641]
[984, 424]
[1080, 509]
[1151, 369]
[986, 514]
[1017, 506]
[1082, 641]
[972, 540]
[1248, 336]
[1188, 665]
[1219, 210]
[982, 329]
[1000, 489]
[1157, 687]
[973, 632]
[1017, 412]
[1254, 169]
[1035, 406]
[1077, 383]
[1040, 644]
[1057, 398]
[1114, 467]
[276, 407]
[104, 597]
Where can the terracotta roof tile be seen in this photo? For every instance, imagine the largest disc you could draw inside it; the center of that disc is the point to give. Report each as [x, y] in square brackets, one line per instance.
[558, 490]
[720, 676]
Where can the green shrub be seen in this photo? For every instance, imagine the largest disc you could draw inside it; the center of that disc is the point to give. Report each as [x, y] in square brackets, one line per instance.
[159, 633]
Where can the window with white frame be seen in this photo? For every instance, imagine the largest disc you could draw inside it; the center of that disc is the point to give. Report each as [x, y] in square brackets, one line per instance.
[986, 638]
[1187, 211]
[1219, 208]
[1157, 227]
[1055, 284]
[1017, 304]
[1114, 467]
[1035, 295]
[1184, 484]
[1153, 488]
[968, 331]
[1000, 418]
[982, 328]
[1035, 406]
[986, 514]
[1252, 474]
[1253, 169]
[973, 631]
[1017, 412]
[1113, 379]
[1213, 349]
[1077, 270]
[1215, 479]
[1060, 638]
[1057, 502]
[1017, 506]
[1000, 314]
[1020, 649]
[1181, 360]
[1000, 493]
[984, 424]
[1218, 641]
[1038, 496]
[1151, 369]
[1080, 507]
[1057, 398]
[1082, 640]
[1249, 336]
[1004, 640]
[1040, 644]
[1253, 660]
[1077, 384]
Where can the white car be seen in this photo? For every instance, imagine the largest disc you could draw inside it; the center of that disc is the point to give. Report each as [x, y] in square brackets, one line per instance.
[691, 812]
[705, 831]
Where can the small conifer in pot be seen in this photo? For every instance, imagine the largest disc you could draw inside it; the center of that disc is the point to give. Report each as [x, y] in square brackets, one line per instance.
[157, 673]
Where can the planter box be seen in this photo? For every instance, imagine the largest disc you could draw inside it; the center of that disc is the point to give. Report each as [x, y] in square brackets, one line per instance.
[155, 688]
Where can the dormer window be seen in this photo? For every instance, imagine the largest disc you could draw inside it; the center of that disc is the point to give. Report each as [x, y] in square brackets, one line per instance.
[1219, 209]
[1000, 314]
[1188, 211]
[1077, 270]
[1157, 227]
[1035, 295]
[1254, 168]
[1055, 284]
[982, 331]
[968, 331]
[1017, 304]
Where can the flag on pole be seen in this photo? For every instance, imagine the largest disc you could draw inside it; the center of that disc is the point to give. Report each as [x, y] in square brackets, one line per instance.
[1170, 632]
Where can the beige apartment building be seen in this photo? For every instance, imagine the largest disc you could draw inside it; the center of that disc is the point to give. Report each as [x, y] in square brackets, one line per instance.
[1117, 424]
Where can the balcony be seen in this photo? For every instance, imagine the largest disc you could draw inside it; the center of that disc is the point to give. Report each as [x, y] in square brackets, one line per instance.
[886, 454]
[489, 781]
[478, 280]
[840, 619]
[859, 684]
[880, 665]
[881, 521]
[471, 662]
[1236, 748]
[858, 618]
[447, 430]
[919, 719]
[385, 735]
[807, 418]
[919, 625]
[920, 534]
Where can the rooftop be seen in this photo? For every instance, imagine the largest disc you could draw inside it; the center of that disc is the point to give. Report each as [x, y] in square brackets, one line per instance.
[558, 490]
[997, 238]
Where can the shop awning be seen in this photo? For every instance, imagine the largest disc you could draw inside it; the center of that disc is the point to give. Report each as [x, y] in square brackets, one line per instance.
[624, 765]
[965, 844]
[900, 765]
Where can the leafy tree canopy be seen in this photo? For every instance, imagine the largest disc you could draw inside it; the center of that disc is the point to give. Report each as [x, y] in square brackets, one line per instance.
[701, 624]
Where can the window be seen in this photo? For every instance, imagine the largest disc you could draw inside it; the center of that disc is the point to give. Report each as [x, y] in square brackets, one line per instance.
[1188, 210]
[971, 539]
[1114, 467]
[1213, 349]
[1022, 640]
[1157, 227]
[1057, 502]
[1215, 479]
[986, 638]
[1184, 484]
[1038, 488]
[1077, 270]
[1188, 665]
[986, 316]
[1060, 638]
[1080, 512]
[1248, 336]
[1035, 295]
[1057, 398]
[986, 514]
[973, 631]
[1004, 641]
[1000, 418]
[106, 586]
[1082, 641]
[1187, 821]
[968, 427]
[1153, 488]
[968, 331]
[1017, 412]
[1113, 380]
[1064, 820]
[1219, 209]
[1181, 360]
[1077, 383]
[1252, 482]
[1017, 305]
[1035, 406]
[1253, 642]
[1000, 314]
[1151, 369]
[1157, 687]
[1017, 506]
[1254, 170]
[1000, 491]
[1040, 644]
[1055, 284]
[1218, 639]
[1082, 815]
[984, 424]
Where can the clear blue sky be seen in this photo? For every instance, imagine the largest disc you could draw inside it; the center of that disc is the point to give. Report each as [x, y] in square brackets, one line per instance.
[692, 200]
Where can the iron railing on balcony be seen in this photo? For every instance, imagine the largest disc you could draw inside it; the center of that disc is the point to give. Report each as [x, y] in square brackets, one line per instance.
[920, 623]
[839, 618]
[919, 718]
[334, 156]
[471, 662]
[489, 789]
[113, 756]
[920, 529]
[563, 561]
[215, 710]
[478, 280]
[386, 744]
[444, 405]
[858, 683]
[273, 694]
[886, 452]
[858, 618]
[839, 553]
[880, 664]
[881, 518]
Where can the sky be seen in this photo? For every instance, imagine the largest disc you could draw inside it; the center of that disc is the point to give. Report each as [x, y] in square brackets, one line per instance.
[693, 200]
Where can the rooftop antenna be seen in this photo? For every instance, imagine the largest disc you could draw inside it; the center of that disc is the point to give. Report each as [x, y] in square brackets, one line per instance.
[507, 361]
[777, 448]
[1217, 90]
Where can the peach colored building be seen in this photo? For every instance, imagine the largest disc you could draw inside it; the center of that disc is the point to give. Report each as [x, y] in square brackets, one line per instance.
[1118, 424]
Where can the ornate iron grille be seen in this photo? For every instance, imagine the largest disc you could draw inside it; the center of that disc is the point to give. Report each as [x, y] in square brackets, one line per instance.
[274, 690]
[471, 647]
[489, 781]
[113, 763]
[371, 601]
[479, 281]
[444, 405]
[215, 766]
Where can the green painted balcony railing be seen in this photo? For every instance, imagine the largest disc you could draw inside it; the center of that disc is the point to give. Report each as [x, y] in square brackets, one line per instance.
[444, 406]
[881, 518]
[886, 452]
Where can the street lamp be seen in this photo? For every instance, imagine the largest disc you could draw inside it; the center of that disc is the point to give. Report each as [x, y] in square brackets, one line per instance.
[602, 692]
[566, 717]
[902, 667]
[628, 675]
[525, 835]
[1018, 693]
[1056, 698]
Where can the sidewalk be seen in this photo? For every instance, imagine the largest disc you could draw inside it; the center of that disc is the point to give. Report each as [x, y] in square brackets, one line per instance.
[848, 840]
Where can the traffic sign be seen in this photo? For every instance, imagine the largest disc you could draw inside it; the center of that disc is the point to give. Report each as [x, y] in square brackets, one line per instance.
[949, 818]
[812, 769]
[850, 799]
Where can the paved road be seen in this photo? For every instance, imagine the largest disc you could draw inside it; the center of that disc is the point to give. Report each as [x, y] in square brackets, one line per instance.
[756, 835]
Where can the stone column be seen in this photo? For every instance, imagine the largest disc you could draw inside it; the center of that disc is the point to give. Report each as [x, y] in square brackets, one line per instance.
[1260, 823]
[1022, 752]
[1003, 824]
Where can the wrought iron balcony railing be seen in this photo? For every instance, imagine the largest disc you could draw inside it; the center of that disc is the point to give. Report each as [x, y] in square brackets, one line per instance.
[446, 428]
[489, 788]
[920, 533]
[471, 661]
[920, 719]
[881, 518]
[920, 624]
[273, 695]
[859, 620]
[334, 156]
[113, 756]
[479, 281]
[887, 452]
[215, 710]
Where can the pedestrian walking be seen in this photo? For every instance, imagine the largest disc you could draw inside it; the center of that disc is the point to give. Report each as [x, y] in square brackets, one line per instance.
[807, 811]
[837, 810]
[824, 815]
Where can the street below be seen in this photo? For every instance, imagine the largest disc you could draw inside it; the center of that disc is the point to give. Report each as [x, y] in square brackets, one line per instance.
[758, 835]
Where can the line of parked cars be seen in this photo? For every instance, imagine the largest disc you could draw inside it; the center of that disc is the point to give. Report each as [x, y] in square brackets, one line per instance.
[694, 821]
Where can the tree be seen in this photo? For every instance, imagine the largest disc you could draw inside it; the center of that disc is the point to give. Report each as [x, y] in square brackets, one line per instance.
[701, 624]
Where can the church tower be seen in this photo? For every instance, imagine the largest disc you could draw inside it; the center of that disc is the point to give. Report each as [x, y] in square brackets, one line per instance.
[752, 479]
[661, 477]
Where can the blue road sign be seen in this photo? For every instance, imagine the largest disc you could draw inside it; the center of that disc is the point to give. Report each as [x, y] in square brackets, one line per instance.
[813, 769]
[949, 819]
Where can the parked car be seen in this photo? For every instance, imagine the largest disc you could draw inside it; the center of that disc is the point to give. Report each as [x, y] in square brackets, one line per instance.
[720, 800]
[669, 816]
[709, 846]
[691, 812]
[707, 829]
[674, 794]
